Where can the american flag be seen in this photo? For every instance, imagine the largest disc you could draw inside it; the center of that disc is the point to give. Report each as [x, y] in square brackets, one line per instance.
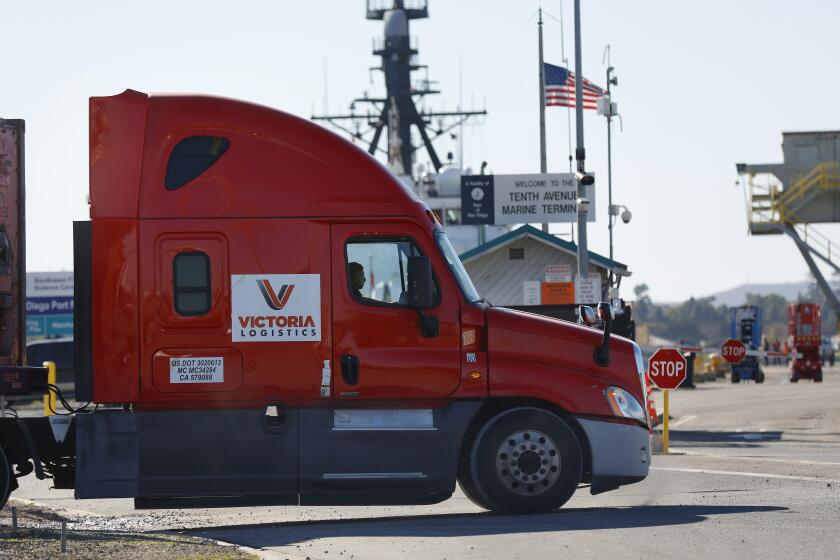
[560, 88]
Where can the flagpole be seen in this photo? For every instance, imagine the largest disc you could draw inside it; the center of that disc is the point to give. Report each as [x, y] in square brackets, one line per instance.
[568, 109]
[580, 152]
[543, 165]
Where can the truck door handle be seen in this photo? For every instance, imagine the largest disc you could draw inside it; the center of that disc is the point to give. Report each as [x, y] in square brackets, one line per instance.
[349, 369]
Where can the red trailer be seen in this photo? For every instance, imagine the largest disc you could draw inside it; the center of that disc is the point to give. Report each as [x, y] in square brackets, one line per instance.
[804, 341]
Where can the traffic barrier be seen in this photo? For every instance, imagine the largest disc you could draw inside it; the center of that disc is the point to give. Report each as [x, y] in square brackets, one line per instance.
[756, 353]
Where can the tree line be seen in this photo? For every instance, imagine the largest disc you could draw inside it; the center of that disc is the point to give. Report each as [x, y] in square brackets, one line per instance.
[703, 322]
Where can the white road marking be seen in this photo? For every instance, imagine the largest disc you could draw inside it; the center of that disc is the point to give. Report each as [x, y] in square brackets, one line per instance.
[751, 457]
[681, 421]
[740, 473]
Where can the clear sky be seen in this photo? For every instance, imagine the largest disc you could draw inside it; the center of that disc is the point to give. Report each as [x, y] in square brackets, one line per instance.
[701, 86]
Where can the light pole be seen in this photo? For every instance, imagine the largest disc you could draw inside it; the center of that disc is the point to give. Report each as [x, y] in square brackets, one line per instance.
[584, 179]
[608, 110]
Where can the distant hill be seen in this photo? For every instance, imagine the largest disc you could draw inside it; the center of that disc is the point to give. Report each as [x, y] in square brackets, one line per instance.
[738, 295]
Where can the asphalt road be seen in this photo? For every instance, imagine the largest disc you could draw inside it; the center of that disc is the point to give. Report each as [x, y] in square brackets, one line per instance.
[754, 473]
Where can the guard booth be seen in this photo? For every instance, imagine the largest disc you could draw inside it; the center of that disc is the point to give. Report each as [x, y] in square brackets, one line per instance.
[531, 270]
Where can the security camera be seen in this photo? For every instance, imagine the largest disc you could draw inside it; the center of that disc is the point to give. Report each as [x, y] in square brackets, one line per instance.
[626, 216]
[583, 205]
[585, 178]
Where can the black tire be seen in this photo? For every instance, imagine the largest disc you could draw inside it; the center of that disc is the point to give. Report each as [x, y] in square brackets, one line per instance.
[818, 376]
[736, 377]
[794, 378]
[553, 469]
[467, 486]
[759, 376]
[5, 479]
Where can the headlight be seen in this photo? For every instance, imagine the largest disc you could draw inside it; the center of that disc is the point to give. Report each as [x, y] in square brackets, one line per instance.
[624, 404]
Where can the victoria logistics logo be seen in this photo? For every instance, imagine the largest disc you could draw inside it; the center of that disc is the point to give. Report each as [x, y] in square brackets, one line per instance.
[275, 307]
[276, 301]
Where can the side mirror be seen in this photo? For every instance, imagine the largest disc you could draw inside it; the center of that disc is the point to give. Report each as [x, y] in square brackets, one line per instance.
[602, 353]
[420, 282]
[605, 311]
[587, 315]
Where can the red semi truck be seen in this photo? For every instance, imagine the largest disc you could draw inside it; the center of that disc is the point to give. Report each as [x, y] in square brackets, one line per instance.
[265, 314]
[804, 341]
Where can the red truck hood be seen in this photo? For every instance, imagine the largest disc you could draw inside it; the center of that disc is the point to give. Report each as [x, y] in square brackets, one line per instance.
[526, 342]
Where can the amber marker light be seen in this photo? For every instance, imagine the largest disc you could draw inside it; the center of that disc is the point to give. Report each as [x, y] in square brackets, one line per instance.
[475, 375]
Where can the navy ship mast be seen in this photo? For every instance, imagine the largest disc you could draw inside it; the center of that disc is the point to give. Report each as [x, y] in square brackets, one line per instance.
[397, 110]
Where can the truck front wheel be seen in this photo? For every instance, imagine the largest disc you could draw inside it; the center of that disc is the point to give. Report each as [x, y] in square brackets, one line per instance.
[524, 460]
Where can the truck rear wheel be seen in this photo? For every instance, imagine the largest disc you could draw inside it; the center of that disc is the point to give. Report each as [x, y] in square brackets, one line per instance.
[525, 460]
[5, 479]
[818, 376]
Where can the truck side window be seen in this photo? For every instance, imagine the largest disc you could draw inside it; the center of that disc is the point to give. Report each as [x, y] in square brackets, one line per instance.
[377, 271]
[191, 283]
[191, 157]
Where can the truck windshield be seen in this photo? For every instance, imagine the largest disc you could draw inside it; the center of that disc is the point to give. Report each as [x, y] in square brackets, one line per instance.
[457, 267]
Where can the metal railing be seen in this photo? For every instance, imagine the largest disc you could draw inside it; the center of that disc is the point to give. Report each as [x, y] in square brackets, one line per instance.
[380, 43]
[770, 205]
[824, 177]
[817, 241]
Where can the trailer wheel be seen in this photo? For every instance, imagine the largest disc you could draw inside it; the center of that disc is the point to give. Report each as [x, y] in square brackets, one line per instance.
[5, 479]
[525, 460]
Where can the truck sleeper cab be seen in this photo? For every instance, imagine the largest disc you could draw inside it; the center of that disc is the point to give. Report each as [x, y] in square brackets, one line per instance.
[283, 321]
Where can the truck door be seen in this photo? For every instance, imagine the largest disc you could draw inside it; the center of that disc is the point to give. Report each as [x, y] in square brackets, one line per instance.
[379, 350]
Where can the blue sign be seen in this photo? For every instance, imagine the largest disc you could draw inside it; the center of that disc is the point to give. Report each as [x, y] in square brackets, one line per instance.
[36, 326]
[49, 316]
[49, 305]
[61, 325]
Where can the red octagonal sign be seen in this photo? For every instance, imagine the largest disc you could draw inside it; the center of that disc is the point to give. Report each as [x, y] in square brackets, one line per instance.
[733, 351]
[666, 368]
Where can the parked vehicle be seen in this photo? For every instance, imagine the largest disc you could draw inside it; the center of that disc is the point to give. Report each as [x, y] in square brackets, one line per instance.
[745, 325]
[804, 341]
[279, 320]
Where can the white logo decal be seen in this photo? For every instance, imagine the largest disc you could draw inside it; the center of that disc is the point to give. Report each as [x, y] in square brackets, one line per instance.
[275, 307]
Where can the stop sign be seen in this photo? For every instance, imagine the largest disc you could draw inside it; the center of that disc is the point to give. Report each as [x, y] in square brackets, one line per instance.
[666, 368]
[733, 351]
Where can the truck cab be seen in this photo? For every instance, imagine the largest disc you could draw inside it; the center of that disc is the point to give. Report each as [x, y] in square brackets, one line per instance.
[276, 318]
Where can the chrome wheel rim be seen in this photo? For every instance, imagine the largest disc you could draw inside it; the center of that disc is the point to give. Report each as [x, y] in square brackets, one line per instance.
[528, 462]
